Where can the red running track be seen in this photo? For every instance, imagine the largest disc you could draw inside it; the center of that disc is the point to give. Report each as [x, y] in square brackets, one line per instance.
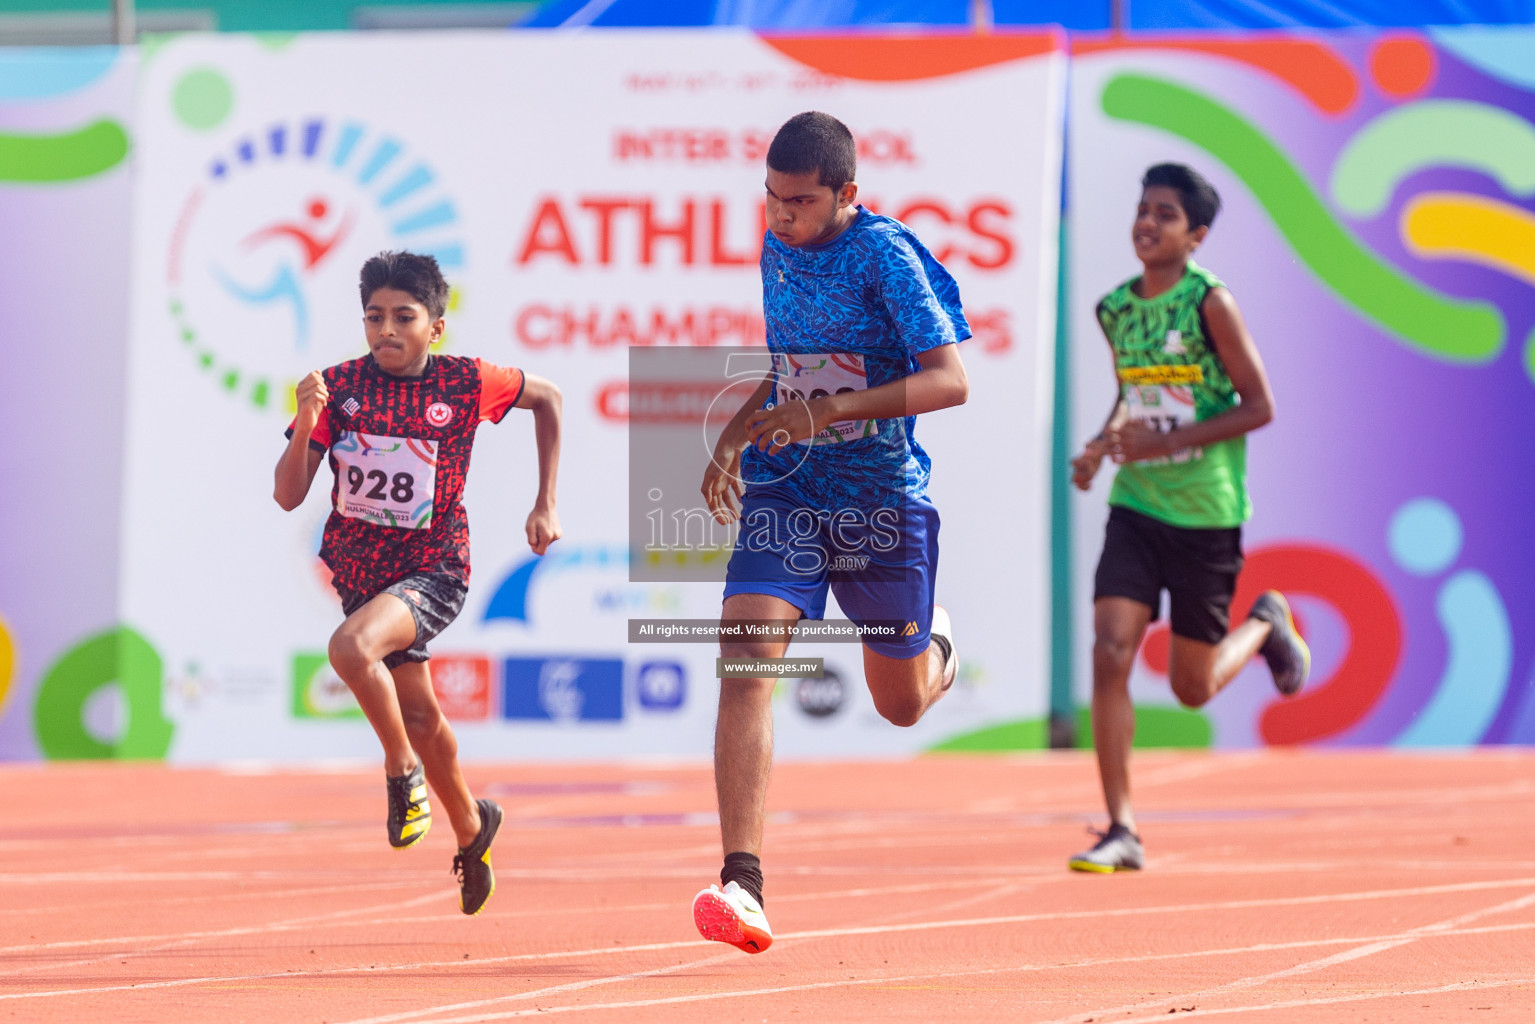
[1281, 887]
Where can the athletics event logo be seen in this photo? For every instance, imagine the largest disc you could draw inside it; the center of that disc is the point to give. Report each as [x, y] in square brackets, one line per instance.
[261, 274]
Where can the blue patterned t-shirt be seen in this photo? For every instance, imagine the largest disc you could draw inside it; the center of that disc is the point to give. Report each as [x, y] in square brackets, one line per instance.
[852, 314]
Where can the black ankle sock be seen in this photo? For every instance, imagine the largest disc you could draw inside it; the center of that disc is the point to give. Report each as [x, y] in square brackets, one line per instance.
[744, 869]
[944, 647]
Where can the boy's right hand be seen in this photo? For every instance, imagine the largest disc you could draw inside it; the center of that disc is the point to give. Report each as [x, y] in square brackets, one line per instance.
[312, 397]
[1085, 466]
[722, 483]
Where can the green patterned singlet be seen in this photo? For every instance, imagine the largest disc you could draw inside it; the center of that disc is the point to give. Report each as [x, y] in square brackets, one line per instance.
[1170, 375]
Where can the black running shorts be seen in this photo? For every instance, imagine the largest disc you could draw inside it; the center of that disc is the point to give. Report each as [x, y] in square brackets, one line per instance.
[434, 600]
[1143, 556]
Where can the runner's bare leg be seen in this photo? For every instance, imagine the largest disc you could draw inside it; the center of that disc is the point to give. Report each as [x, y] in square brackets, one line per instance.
[743, 732]
[357, 651]
[904, 688]
[432, 738]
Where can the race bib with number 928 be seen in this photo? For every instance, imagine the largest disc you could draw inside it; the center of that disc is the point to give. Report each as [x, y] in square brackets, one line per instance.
[388, 481]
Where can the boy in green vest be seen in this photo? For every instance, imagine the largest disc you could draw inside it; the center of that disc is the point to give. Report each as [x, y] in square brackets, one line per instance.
[1189, 386]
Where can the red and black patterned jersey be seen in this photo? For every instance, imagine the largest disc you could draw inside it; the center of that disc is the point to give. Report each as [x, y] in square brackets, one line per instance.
[399, 448]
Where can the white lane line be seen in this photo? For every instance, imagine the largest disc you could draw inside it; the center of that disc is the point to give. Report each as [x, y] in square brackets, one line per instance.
[50, 912]
[971, 872]
[888, 890]
[161, 943]
[1370, 949]
[899, 980]
[860, 930]
[1257, 868]
[1010, 919]
[1408, 937]
[121, 877]
[1277, 901]
[1477, 915]
[376, 968]
[1391, 800]
[705, 996]
[989, 894]
[1281, 901]
[1001, 889]
[574, 986]
[1072, 965]
[1193, 768]
[1293, 1004]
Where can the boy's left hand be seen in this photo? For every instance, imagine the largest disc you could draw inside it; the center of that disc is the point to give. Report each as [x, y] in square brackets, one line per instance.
[1085, 466]
[1136, 441]
[773, 430]
[543, 528]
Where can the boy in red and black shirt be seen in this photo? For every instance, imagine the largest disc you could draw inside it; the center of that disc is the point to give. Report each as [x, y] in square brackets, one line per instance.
[399, 424]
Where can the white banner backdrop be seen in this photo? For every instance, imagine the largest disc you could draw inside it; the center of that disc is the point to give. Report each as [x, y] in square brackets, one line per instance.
[584, 193]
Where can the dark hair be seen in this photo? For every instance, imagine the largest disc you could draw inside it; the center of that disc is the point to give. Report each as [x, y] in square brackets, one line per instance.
[1200, 200]
[818, 142]
[410, 272]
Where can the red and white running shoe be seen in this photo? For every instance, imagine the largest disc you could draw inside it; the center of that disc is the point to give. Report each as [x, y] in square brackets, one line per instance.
[731, 915]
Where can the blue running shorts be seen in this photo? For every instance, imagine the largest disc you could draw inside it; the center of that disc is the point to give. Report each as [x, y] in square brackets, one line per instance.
[880, 563]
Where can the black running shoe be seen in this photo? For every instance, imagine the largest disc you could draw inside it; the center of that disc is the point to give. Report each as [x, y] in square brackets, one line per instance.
[410, 814]
[1288, 657]
[1118, 849]
[476, 881]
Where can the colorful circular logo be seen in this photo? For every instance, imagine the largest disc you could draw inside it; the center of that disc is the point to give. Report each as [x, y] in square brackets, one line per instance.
[438, 414]
[261, 278]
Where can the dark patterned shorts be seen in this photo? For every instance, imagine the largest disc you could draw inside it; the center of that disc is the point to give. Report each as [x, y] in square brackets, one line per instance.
[434, 600]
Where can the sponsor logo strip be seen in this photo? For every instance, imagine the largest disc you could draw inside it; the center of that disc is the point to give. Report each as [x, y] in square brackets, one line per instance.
[1162, 374]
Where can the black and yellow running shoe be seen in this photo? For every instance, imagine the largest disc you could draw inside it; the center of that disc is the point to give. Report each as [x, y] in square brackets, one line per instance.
[1118, 849]
[410, 814]
[476, 880]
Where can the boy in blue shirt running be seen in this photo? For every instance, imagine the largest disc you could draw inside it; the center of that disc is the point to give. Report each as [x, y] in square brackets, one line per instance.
[821, 467]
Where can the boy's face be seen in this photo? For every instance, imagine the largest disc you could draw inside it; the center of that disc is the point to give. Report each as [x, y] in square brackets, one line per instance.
[400, 331]
[801, 211]
[1161, 231]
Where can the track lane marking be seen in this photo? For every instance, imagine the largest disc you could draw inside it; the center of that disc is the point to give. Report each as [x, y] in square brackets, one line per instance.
[160, 944]
[1278, 901]
[1293, 1004]
[1029, 968]
[883, 890]
[889, 890]
[992, 893]
[225, 896]
[856, 983]
[859, 930]
[573, 986]
[1408, 937]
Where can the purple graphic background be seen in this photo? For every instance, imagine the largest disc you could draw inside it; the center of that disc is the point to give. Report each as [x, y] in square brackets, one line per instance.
[1366, 423]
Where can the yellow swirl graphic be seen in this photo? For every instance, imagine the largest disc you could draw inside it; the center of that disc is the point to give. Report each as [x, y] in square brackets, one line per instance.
[1456, 226]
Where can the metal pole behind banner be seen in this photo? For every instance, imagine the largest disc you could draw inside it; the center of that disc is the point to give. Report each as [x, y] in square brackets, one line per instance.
[1119, 15]
[981, 18]
[1062, 730]
[122, 22]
